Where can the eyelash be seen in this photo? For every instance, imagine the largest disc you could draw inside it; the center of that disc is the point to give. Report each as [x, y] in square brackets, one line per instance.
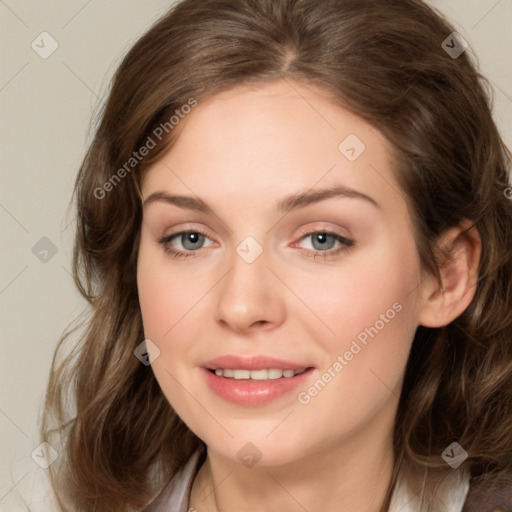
[346, 244]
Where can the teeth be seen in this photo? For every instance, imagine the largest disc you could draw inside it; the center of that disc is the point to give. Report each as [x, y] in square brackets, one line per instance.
[241, 374]
[273, 373]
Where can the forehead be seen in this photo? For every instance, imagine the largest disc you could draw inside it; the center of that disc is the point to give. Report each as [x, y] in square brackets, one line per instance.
[267, 140]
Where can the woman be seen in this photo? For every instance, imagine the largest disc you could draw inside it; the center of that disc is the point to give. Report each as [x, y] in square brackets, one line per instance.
[230, 361]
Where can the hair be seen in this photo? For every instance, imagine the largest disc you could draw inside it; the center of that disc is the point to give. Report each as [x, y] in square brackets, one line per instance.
[120, 440]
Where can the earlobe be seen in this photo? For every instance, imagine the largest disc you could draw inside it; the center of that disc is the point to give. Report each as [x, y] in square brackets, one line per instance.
[460, 251]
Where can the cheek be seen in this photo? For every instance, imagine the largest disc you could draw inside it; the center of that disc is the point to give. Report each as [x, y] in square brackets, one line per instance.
[362, 293]
[164, 296]
[156, 303]
[368, 323]
[362, 370]
[164, 303]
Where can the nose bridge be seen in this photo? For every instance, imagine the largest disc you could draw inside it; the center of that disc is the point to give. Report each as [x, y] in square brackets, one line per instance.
[247, 296]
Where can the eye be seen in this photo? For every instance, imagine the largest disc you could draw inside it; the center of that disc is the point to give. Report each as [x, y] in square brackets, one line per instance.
[191, 241]
[323, 243]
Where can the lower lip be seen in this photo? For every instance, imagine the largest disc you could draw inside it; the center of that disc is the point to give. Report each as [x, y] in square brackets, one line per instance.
[253, 392]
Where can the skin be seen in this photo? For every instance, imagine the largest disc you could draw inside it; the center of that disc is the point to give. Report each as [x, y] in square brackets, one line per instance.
[241, 151]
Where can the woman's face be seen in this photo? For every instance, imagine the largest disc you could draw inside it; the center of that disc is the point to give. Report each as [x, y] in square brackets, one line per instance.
[249, 174]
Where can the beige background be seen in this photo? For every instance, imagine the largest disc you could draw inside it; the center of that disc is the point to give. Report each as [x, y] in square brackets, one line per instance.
[46, 108]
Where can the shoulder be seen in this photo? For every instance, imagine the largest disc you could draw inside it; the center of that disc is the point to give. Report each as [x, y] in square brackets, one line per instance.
[489, 493]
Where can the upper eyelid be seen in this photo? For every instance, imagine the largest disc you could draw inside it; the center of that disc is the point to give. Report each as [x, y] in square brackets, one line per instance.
[342, 239]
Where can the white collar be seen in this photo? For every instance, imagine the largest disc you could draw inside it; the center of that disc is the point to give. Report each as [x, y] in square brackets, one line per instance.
[449, 497]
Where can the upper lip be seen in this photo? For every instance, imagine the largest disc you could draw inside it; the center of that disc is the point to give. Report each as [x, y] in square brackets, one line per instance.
[257, 362]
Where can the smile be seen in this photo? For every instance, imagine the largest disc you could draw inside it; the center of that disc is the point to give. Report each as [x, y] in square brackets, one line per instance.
[270, 374]
[253, 388]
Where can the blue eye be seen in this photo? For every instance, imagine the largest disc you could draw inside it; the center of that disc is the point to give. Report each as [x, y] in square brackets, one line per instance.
[323, 243]
[192, 241]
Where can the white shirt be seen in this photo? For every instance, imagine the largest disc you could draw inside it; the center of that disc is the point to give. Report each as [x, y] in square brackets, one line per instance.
[37, 493]
[451, 497]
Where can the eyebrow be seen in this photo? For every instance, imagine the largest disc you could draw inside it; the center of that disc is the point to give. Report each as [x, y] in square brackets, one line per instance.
[285, 205]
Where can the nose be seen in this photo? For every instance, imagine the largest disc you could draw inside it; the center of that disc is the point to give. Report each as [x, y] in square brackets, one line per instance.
[250, 297]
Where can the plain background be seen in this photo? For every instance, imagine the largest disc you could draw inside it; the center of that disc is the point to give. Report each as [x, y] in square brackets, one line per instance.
[46, 109]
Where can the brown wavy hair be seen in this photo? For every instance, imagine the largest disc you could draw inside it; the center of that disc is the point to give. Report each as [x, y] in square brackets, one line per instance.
[118, 438]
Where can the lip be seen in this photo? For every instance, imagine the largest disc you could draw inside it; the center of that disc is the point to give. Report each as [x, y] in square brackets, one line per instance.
[248, 392]
[258, 362]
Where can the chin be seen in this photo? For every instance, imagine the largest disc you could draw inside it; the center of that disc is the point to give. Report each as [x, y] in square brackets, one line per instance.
[257, 451]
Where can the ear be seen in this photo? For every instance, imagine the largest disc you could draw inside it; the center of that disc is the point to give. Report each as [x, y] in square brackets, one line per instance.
[460, 249]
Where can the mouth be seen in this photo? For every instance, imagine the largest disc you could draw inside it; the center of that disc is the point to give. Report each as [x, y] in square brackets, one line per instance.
[235, 363]
[256, 380]
[264, 374]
